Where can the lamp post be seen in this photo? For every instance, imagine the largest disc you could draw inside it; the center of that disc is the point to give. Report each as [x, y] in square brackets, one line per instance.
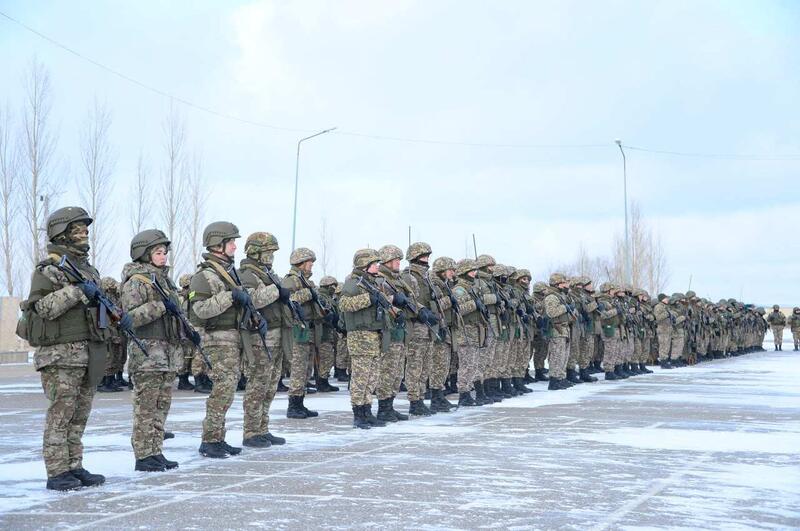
[628, 277]
[296, 177]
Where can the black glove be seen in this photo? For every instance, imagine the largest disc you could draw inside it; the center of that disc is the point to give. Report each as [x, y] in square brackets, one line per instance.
[283, 295]
[262, 327]
[427, 316]
[240, 297]
[526, 319]
[331, 319]
[171, 307]
[520, 312]
[125, 322]
[194, 337]
[314, 295]
[301, 314]
[453, 301]
[399, 300]
[90, 290]
[374, 298]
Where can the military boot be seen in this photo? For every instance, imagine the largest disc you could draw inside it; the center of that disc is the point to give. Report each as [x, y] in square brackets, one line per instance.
[439, 403]
[324, 387]
[274, 440]
[202, 384]
[492, 389]
[586, 377]
[540, 376]
[451, 388]
[281, 388]
[611, 375]
[619, 372]
[64, 481]
[370, 418]
[558, 385]
[183, 383]
[257, 441]
[596, 368]
[397, 414]
[149, 464]
[528, 378]
[242, 385]
[309, 413]
[296, 409]
[403, 388]
[572, 376]
[121, 380]
[88, 479]
[385, 411]
[168, 435]
[465, 399]
[341, 375]
[665, 364]
[166, 462]
[480, 397]
[506, 389]
[418, 409]
[108, 385]
[358, 419]
[213, 450]
[644, 370]
[519, 385]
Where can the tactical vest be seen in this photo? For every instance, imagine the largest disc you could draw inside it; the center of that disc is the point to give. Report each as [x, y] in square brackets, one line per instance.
[474, 317]
[371, 318]
[79, 323]
[201, 290]
[274, 313]
[165, 327]
[439, 292]
[564, 317]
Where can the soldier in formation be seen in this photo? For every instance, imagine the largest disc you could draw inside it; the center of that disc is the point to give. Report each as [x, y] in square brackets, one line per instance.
[777, 322]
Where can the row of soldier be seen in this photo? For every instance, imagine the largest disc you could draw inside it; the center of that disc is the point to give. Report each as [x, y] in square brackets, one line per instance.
[471, 326]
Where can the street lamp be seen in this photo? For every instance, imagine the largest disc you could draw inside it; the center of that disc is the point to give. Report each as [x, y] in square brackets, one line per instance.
[296, 176]
[625, 195]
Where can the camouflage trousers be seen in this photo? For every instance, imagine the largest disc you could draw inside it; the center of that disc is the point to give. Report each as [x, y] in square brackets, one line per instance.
[468, 352]
[796, 338]
[69, 393]
[188, 355]
[576, 333]
[152, 397]
[390, 370]
[647, 341]
[225, 372]
[626, 349]
[342, 354]
[262, 375]
[637, 349]
[539, 352]
[586, 348]
[503, 357]
[676, 348]
[418, 360]
[664, 337]
[302, 354]
[777, 334]
[365, 350]
[495, 355]
[557, 354]
[611, 353]
[440, 364]
[327, 355]
[519, 359]
[485, 356]
[115, 359]
[197, 365]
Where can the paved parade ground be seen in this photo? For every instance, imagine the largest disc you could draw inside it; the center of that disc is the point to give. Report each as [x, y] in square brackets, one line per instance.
[713, 446]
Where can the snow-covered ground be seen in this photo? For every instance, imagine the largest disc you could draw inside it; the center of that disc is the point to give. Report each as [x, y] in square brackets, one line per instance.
[712, 446]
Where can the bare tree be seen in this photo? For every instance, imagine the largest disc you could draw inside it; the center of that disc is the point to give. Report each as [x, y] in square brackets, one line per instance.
[140, 206]
[324, 245]
[9, 206]
[172, 178]
[98, 160]
[198, 195]
[649, 266]
[657, 265]
[38, 145]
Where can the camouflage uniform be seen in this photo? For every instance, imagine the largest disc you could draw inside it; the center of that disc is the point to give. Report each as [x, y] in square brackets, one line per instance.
[420, 341]
[664, 318]
[611, 326]
[777, 322]
[71, 361]
[678, 330]
[543, 331]
[556, 310]
[392, 362]
[472, 334]
[342, 358]
[212, 309]
[794, 326]
[449, 319]
[367, 327]
[154, 373]
[521, 326]
[329, 336]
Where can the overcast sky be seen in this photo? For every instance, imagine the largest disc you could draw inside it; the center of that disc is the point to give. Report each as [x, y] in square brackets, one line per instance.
[546, 86]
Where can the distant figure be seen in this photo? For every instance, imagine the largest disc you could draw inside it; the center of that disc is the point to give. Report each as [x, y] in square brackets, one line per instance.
[777, 321]
[794, 326]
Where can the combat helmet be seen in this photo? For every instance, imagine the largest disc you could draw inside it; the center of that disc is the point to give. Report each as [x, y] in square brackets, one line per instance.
[539, 287]
[485, 260]
[499, 270]
[109, 285]
[145, 240]
[389, 253]
[216, 233]
[259, 242]
[776, 307]
[557, 278]
[465, 266]
[300, 255]
[417, 249]
[364, 257]
[442, 264]
[59, 220]
[185, 280]
[327, 280]
[607, 287]
[521, 273]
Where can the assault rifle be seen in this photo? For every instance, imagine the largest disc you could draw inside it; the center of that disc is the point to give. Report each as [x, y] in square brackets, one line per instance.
[412, 306]
[188, 329]
[107, 306]
[294, 306]
[252, 317]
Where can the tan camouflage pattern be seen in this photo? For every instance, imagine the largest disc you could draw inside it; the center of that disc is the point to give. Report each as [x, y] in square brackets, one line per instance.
[364, 348]
[262, 382]
[225, 362]
[152, 397]
[390, 371]
[418, 359]
[467, 341]
[300, 255]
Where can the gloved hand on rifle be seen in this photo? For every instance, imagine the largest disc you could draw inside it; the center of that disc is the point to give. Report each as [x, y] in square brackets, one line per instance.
[171, 307]
[125, 322]
[262, 327]
[453, 301]
[283, 295]
[301, 314]
[570, 308]
[427, 317]
[90, 290]
[331, 319]
[194, 336]
[525, 318]
[240, 297]
[399, 300]
[481, 306]
[520, 312]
